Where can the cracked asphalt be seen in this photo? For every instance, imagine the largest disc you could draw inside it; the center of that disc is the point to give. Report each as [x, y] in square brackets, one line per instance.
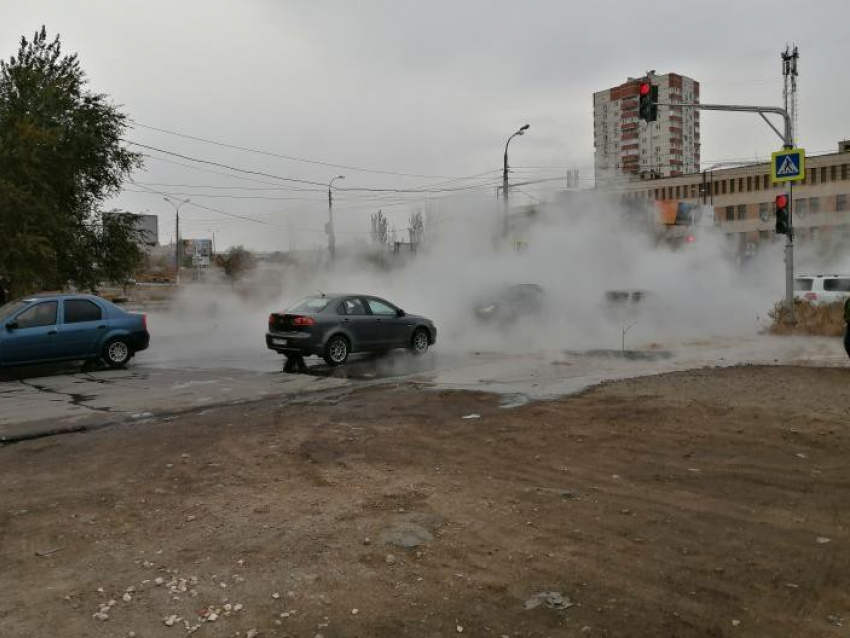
[73, 402]
[44, 401]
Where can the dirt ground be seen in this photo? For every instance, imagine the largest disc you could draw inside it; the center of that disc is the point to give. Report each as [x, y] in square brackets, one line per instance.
[707, 503]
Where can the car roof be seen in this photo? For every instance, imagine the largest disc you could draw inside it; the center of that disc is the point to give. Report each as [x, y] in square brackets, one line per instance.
[61, 295]
[42, 296]
[808, 276]
[341, 295]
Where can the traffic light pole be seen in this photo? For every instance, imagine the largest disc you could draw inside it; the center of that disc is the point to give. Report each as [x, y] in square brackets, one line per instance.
[789, 256]
[787, 142]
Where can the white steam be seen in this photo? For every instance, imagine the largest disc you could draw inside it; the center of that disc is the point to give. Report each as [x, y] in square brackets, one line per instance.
[576, 252]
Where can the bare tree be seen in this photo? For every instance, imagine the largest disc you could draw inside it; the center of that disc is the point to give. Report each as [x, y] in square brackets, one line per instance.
[380, 229]
[416, 228]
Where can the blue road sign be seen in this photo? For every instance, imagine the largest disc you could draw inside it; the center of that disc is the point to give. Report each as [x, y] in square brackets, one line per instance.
[788, 165]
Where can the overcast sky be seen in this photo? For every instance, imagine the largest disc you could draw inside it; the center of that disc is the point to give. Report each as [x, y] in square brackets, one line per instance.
[430, 88]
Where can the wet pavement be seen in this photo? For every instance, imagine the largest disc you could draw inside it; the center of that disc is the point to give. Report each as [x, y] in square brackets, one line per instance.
[195, 374]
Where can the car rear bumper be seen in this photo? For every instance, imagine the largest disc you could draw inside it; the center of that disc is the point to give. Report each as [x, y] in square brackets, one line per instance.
[140, 340]
[295, 343]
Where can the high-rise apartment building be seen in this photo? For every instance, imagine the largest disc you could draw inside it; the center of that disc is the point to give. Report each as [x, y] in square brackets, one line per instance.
[627, 148]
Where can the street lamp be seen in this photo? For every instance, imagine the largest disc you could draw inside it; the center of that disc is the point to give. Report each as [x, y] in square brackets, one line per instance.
[177, 203]
[331, 235]
[521, 131]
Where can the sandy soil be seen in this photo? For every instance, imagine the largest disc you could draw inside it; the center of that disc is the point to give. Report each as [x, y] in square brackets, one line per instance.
[705, 503]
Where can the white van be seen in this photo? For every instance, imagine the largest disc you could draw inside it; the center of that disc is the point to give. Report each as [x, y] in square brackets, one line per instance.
[822, 288]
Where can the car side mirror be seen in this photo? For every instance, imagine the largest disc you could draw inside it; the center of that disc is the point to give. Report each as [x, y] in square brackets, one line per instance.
[399, 313]
[12, 325]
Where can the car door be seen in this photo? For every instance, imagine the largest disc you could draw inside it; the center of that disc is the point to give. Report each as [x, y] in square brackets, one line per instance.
[83, 325]
[390, 331]
[31, 335]
[356, 320]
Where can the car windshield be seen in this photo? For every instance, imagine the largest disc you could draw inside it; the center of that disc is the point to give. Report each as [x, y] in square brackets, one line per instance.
[310, 305]
[11, 308]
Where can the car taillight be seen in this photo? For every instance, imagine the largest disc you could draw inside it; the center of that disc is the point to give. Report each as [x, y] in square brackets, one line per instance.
[303, 321]
[271, 321]
[144, 322]
[810, 296]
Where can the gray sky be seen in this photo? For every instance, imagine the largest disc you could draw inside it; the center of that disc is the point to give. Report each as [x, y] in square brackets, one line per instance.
[427, 88]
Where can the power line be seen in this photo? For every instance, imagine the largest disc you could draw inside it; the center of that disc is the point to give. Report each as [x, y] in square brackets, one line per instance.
[228, 167]
[247, 179]
[216, 210]
[288, 157]
[431, 189]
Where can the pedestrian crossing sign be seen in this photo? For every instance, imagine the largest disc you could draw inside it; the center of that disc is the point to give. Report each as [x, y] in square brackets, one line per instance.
[788, 165]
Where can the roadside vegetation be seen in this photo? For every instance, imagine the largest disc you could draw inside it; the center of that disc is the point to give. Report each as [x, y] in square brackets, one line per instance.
[61, 156]
[822, 320]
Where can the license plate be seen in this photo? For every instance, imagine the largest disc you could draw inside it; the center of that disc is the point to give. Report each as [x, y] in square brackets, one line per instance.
[279, 342]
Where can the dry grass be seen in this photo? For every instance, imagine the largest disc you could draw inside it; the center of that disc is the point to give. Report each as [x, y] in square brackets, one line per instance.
[822, 320]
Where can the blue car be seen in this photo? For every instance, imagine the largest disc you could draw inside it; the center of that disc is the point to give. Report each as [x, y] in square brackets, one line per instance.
[68, 327]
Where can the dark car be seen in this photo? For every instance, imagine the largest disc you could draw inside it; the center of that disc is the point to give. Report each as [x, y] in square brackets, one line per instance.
[510, 303]
[333, 326]
[68, 327]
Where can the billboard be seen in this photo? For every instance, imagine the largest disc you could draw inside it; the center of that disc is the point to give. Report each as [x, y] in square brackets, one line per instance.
[147, 224]
[201, 247]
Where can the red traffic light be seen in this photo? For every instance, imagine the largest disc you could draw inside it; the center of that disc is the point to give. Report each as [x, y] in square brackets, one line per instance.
[644, 88]
[781, 201]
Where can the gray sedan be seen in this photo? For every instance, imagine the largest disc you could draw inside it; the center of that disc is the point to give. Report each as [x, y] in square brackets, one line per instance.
[333, 326]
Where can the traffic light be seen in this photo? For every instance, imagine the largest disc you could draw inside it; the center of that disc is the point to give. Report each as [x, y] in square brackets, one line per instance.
[648, 102]
[782, 214]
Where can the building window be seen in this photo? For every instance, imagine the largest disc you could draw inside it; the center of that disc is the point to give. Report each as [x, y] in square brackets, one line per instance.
[822, 174]
[731, 185]
[833, 173]
[812, 177]
[749, 184]
[723, 187]
[757, 182]
[766, 181]
[814, 204]
[764, 215]
[844, 171]
[678, 192]
[840, 202]
[730, 213]
[740, 184]
[742, 211]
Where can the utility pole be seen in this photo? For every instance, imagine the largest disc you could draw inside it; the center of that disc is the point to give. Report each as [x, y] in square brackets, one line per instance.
[521, 131]
[330, 228]
[177, 204]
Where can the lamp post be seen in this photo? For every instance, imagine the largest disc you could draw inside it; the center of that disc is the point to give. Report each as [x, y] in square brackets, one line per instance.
[177, 204]
[330, 230]
[521, 131]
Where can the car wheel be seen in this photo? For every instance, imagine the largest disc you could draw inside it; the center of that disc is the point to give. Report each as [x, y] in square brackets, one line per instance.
[419, 342]
[117, 352]
[336, 352]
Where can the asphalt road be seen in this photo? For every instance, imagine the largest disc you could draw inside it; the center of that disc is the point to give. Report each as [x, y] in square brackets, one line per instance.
[190, 372]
